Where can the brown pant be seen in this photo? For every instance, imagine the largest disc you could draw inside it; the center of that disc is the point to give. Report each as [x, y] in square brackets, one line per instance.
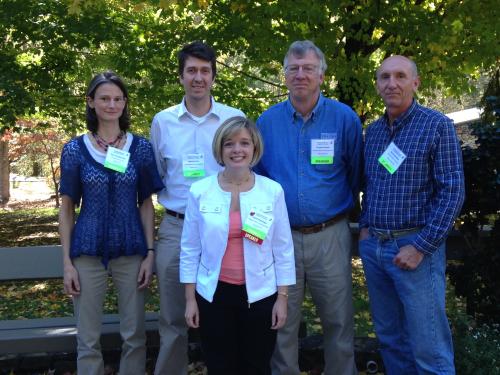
[88, 310]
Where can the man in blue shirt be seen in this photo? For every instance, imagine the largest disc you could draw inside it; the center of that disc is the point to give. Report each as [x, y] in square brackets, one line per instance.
[313, 149]
[414, 191]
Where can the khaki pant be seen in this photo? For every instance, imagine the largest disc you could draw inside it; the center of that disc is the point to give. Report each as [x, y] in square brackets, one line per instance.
[323, 263]
[88, 311]
[173, 353]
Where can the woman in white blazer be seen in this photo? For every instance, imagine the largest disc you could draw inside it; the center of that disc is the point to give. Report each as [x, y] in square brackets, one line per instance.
[237, 256]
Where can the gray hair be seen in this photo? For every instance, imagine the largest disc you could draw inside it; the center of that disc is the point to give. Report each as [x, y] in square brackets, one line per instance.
[300, 48]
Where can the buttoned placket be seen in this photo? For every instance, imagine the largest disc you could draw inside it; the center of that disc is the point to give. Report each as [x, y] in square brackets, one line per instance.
[302, 163]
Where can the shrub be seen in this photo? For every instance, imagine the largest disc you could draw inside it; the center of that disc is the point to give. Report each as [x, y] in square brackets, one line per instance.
[476, 347]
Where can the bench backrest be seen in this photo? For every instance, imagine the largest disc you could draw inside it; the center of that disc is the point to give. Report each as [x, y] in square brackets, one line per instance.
[45, 262]
[31, 262]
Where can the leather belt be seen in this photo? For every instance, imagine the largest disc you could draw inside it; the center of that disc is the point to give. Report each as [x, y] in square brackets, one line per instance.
[174, 214]
[386, 234]
[319, 227]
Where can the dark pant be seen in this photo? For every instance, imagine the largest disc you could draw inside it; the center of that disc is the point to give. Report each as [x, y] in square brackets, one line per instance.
[236, 337]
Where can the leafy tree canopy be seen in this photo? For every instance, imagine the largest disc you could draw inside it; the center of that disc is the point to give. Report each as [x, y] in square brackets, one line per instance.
[49, 50]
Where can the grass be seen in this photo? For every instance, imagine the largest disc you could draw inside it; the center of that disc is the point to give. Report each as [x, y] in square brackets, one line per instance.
[29, 227]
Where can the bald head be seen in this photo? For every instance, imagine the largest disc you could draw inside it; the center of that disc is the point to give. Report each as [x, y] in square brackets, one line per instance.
[400, 60]
[397, 83]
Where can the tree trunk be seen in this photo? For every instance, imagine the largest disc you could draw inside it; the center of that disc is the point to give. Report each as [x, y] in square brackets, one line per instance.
[4, 172]
[53, 172]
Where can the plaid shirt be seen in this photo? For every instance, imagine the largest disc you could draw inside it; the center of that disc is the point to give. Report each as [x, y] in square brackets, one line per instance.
[427, 190]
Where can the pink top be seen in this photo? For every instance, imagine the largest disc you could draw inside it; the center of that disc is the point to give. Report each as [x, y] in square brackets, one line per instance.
[233, 266]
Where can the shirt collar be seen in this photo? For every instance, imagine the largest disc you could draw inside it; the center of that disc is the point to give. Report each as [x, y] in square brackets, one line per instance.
[292, 112]
[183, 111]
[404, 118]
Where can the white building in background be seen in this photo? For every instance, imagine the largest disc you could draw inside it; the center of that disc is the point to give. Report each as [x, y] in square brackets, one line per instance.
[462, 120]
[467, 115]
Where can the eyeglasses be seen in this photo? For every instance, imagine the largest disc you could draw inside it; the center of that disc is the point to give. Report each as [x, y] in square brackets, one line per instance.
[306, 69]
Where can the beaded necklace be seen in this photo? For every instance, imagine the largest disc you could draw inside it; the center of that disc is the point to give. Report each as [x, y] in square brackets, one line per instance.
[105, 144]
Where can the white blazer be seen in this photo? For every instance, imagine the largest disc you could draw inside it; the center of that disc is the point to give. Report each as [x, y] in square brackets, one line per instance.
[205, 236]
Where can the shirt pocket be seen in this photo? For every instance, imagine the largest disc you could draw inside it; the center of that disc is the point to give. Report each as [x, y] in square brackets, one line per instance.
[213, 216]
[208, 207]
[265, 207]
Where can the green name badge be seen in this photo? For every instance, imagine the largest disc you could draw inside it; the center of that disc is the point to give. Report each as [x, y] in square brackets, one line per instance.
[322, 151]
[193, 165]
[392, 158]
[117, 159]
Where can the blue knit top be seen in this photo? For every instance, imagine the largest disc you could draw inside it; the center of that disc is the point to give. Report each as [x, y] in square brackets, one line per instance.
[109, 224]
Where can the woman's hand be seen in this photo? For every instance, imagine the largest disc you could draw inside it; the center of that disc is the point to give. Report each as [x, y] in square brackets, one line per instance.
[146, 271]
[192, 314]
[279, 312]
[71, 280]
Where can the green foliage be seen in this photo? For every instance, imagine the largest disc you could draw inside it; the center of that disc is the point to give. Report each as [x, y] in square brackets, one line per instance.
[49, 50]
[355, 35]
[476, 278]
[476, 348]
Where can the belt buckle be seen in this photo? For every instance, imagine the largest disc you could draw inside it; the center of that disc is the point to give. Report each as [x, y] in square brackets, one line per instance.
[382, 235]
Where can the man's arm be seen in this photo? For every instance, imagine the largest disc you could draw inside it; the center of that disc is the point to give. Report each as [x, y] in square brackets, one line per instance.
[155, 139]
[448, 181]
[259, 167]
[355, 154]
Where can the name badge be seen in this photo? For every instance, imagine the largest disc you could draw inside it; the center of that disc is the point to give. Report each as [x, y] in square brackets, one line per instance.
[210, 208]
[117, 159]
[392, 158]
[322, 151]
[256, 226]
[193, 165]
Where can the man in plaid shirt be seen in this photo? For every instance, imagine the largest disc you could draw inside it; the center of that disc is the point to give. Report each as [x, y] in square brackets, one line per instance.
[414, 190]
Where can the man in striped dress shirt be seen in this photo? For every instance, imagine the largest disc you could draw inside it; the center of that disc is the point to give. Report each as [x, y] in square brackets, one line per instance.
[414, 190]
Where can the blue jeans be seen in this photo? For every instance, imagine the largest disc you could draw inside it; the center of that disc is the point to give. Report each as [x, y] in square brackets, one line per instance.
[408, 308]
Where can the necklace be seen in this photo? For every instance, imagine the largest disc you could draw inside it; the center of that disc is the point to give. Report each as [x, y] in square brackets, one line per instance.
[238, 184]
[105, 144]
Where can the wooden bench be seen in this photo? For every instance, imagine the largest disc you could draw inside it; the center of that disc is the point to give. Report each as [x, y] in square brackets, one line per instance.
[58, 335]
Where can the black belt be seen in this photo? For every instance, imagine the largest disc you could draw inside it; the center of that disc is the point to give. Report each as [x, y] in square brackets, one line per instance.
[386, 234]
[319, 227]
[174, 214]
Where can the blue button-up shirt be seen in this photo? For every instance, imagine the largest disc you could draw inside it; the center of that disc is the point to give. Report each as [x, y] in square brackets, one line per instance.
[427, 190]
[314, 193]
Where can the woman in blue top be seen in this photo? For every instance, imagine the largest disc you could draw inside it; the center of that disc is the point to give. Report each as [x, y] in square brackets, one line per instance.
[113, 174]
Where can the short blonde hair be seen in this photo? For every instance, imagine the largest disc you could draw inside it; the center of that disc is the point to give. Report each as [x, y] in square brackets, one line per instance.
[231, 126]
